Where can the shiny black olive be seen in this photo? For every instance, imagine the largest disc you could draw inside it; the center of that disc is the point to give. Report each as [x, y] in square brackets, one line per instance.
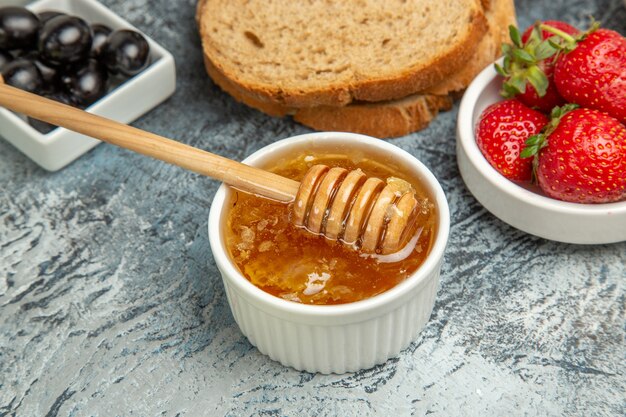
[59, 96]
[65, 40]
[5, 58]
[23, 74]
[18, 28]
[50, 74]
[88, 83]
[47, 15]
[126, 52]
[100, 35]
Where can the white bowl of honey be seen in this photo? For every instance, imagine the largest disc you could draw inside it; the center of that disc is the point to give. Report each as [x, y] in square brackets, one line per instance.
[315, 304]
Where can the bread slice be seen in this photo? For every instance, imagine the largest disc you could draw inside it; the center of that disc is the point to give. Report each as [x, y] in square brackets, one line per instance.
[396, 117]
[389, 119]
[412, 113]
[333, 52]
[382, 120]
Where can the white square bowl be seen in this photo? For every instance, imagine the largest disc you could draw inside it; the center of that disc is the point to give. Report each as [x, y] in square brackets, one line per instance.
[125, 103]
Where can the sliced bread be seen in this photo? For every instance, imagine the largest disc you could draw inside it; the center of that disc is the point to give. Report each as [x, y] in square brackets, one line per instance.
[394, 117]
[333, 52]
[414, 112]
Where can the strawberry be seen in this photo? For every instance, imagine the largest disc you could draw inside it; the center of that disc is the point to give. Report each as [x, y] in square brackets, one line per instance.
[529, 65]
[581, 156]
[550, 98]
[593, 72]
[500, 135]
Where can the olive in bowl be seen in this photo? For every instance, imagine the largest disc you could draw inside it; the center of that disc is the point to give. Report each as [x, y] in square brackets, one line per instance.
[18, 28]
[100, 35]
[23, 74]
[65, 40]
[87, 83]
[126, 52]
[5, 58]
[50, 74]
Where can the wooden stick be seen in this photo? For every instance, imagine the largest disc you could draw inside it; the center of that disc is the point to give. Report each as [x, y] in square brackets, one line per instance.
[236, 174]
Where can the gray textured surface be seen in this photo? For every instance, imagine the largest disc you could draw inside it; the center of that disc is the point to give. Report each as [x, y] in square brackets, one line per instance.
[110, 303]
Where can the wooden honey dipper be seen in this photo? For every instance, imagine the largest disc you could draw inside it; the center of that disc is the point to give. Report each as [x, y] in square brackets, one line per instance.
[366, 213]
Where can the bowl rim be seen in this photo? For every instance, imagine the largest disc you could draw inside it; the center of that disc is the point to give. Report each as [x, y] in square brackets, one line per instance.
[385, 299]
[466, 139]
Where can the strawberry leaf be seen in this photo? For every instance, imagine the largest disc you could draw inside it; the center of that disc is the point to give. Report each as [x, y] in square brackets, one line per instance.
[544, 50]
[524, 56]
[508, 91]
[536, 32]
[518, 83]
[500, 70]
[538, 79]
[554, 43]
[516, 37]
[559, 112]
[533, 145]
[507, 63]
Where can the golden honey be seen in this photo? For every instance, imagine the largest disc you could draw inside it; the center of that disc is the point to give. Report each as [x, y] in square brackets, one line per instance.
[297, 265]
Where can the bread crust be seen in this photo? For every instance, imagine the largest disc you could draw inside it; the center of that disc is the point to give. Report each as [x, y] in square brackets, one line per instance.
[242, 96]
[405, 82]
[383, 119]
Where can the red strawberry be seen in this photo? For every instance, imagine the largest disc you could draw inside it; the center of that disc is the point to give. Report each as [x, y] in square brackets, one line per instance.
[501, 133]
[529, 65]
[581, 157]
[593, 74]
[550, 99]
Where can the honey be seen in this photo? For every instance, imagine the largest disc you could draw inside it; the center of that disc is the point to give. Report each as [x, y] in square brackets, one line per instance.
[294, 264]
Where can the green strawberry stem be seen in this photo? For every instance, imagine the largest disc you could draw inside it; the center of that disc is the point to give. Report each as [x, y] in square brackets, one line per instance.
[521, 64]
[563, 35]
[536, 143]
[567, 42]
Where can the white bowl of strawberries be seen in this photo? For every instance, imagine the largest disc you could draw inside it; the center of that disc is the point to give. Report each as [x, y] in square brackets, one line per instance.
[570, 186]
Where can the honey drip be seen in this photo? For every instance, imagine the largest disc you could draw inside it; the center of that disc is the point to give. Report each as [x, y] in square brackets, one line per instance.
[292, 263]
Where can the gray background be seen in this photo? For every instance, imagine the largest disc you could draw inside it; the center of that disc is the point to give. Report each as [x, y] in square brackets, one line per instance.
[111, 304]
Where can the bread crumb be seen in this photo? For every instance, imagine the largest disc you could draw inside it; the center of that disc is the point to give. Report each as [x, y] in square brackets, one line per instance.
[262, 224]
[247, 238]
[265, 246]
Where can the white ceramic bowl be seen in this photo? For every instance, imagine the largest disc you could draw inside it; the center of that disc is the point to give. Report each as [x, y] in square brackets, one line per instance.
[338, 338]
[124, 104]
[526, 208]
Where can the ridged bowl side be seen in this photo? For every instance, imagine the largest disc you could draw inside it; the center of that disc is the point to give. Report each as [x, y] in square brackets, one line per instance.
[334, 348]
[345, 337]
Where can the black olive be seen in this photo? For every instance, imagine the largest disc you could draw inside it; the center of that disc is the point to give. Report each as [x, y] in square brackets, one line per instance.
[87, 83]
[65, 40]
[50, 74]
[45, 127]
[18, 28]
[47, 15]
[23, 74]
[100, 35]
[5, 58]
[126, 52]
